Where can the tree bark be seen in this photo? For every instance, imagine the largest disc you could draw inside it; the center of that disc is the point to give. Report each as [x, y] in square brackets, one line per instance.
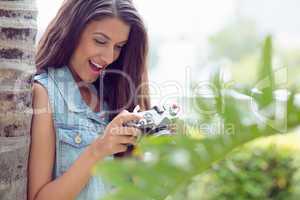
[17, 48]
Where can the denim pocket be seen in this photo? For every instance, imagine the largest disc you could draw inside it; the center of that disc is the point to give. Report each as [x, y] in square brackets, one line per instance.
[72, 142]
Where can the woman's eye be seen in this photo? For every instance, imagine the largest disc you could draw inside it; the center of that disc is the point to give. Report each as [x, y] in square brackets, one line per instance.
[99, 42]
[119, 47]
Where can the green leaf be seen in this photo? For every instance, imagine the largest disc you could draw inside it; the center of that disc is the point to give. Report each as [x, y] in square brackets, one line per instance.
[265, 82]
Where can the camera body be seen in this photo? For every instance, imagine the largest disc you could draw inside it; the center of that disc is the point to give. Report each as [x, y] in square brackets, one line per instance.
[157, 121]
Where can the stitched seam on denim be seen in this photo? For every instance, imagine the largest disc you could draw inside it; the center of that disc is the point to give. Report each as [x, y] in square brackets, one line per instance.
[74, 127]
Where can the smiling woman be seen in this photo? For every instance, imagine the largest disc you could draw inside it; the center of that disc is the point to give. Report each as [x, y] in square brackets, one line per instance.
[91, 69]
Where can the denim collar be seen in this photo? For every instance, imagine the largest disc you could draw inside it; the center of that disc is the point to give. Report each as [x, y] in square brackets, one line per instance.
[69, 90]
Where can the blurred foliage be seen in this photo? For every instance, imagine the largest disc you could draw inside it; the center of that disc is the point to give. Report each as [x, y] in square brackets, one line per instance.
[293, 117]
[238, 43]
[290, 58]
[236, 40]
[165, 167]
[265, 172]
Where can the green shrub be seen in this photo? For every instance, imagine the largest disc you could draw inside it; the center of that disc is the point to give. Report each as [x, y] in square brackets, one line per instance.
[253, 172]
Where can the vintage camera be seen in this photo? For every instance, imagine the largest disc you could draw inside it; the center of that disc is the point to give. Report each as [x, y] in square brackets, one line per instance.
[157, 121]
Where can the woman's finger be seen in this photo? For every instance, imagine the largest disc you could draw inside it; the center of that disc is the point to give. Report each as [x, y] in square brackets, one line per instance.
[121, 148]
[131, 131]
[126, 139]
[125, 117]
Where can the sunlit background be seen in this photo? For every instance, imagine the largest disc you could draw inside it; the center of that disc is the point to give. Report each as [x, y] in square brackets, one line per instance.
[189, 38]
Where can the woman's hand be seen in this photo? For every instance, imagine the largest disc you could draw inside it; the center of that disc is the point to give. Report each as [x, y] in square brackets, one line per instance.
[116, 136]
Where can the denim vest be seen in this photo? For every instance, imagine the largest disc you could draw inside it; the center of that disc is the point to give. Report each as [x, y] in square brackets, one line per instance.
[76, 126]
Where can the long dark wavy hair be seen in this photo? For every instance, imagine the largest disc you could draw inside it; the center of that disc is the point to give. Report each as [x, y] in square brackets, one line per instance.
[62, 36]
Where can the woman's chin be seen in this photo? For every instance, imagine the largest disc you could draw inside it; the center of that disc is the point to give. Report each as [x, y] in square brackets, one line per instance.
[90, 80]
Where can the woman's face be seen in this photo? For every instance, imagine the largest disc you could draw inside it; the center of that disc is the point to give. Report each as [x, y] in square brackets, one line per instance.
[99, 45]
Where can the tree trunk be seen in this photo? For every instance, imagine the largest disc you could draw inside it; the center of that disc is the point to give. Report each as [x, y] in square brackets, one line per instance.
[17, 43]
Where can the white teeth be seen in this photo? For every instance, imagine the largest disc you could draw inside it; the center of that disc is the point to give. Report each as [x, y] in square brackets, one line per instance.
[98, 66]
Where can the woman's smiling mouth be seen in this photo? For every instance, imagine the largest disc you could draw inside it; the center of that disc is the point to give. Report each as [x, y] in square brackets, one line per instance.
[95, 68]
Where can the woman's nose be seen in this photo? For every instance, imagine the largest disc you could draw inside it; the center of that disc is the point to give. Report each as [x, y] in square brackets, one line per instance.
[108, 56]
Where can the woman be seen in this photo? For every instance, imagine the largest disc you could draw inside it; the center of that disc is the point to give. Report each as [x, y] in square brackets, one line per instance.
[91, 68]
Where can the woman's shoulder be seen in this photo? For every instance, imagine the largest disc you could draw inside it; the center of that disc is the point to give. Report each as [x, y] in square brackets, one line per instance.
[40, 84]
[40, 78]
[40, 96]
[42, 75]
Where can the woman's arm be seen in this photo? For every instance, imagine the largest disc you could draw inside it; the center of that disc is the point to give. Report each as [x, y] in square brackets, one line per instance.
[42, 157]
[42, 152]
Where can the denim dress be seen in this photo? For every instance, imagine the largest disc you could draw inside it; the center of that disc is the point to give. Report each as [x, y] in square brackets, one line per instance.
[76, 126]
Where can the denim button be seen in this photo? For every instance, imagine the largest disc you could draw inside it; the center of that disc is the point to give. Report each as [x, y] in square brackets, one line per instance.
[77, 139]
